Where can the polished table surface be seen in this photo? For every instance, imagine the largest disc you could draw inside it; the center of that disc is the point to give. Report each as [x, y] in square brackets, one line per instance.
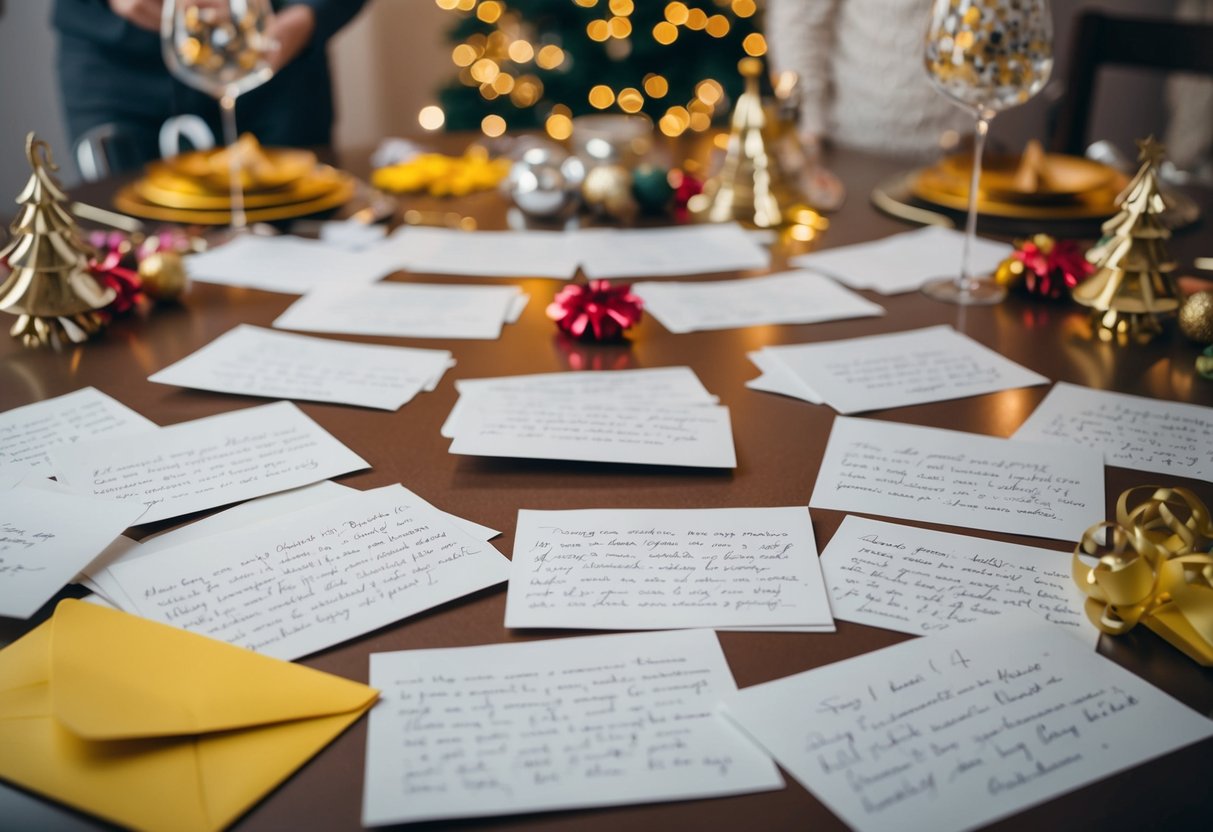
[780, 442]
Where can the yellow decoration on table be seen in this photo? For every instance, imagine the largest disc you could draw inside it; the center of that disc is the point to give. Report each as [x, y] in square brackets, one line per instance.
[1153, 567]
[440, 175]
[156, 728]
[163, 275]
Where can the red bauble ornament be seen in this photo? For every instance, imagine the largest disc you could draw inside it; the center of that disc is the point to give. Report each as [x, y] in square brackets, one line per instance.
[1045, 267]
[597, 311]
[686, 186]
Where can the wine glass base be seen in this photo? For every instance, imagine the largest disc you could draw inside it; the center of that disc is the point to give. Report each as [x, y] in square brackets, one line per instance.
[976, 292]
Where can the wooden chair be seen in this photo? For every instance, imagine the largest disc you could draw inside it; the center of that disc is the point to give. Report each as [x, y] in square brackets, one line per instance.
[1102, 40]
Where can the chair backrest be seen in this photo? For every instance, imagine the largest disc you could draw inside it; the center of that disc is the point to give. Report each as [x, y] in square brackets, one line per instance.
[105, 150]
[1102, 40]
[188, 126]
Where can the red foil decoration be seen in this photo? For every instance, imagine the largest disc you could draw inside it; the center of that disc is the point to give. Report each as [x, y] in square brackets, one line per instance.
[688, 186]
[1049, 268]
[597, 311]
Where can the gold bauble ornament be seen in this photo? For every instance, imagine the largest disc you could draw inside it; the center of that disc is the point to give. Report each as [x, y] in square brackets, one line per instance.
[607, 190]
[163, 275]
[1196, 317]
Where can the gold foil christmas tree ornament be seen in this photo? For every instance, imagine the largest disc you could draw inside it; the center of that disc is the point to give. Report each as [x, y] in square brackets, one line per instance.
[1132, 284]
[751, 182]
[50, 289]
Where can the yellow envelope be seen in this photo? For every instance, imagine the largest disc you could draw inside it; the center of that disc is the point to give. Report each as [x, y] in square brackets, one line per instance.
[156, 728]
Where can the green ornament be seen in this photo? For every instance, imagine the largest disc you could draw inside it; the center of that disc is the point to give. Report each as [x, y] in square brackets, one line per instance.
[652, 189]
[1204, 364]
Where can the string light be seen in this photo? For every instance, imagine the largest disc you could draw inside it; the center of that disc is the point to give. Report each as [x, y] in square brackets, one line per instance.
[676, 13]
[598, 30]
[656, 86]
[630, 100]
[520, 52]
[492, 126]
[431, 117]
[665, 33]
[601, 96]
[620, 27]
[489, 11]
[550, 56]
[717, 25]
[558, 126]
[755, 45]
[622, 7]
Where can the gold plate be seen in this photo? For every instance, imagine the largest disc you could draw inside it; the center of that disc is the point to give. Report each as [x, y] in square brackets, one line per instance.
[1067, 179]
[169, 190]
[128, 201]
[1090, 205]
[271, 167]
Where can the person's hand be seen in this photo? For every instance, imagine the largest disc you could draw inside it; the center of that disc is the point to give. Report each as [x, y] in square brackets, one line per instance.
[291, 29]
[143, 13]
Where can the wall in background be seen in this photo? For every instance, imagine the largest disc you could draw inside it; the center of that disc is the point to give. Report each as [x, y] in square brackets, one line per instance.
[390, 61]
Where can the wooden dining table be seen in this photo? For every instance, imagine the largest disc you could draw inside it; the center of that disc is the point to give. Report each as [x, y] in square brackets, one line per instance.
[779, 442]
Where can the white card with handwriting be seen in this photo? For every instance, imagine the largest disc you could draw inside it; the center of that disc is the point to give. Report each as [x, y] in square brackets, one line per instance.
[405, 310]
[305, 581]
[1130, 431]
[28, 433]
[289, 264]
[488, 253]
[613, 253]
[207, 462]
[798, 297]
[651, 569]
[902, 368]
[648, 384]
[253, 361]
[954, 731]
[557, 724]
[960, 479]
[595, 430]
[903, 262]
[46, 537]
[921, 582]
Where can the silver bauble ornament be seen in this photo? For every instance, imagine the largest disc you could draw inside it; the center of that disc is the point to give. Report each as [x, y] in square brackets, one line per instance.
[1196, 317]
[544, 181]
[607, 191]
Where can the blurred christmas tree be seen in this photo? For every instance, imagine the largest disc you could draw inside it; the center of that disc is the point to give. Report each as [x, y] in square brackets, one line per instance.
[531, 63]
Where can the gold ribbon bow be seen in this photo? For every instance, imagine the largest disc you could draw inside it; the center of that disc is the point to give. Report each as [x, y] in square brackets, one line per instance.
[1152, 566]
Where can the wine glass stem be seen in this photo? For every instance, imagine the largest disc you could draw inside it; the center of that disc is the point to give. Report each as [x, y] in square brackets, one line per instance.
[227, 111]
[965, 281]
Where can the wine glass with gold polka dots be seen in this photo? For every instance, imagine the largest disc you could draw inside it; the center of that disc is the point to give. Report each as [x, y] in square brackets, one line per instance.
[986, 56]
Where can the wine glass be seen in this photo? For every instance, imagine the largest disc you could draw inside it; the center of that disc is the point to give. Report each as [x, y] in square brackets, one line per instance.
[221, 48]
[987, 56]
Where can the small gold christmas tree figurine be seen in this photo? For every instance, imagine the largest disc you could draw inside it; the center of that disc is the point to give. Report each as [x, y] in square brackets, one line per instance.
[50, 289]
[1132, 284]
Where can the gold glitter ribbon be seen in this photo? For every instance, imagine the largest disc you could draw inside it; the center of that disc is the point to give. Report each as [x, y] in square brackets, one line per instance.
[1152, 566]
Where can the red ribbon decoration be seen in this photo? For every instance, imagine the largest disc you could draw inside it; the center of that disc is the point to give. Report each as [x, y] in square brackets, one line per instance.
[597, 311]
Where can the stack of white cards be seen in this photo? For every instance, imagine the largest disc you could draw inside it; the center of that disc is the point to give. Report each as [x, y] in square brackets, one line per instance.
[882, 371]
[292, 265]
[656, 417]
[903, 262]
[799, 297]
[293, 574]
[253, 361]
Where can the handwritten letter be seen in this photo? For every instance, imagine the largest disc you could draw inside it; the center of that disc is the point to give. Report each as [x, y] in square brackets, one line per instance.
[960, 479]
[902, 368]
[641, 569]
[557, 724]
[920, 582]
[46, 537]
[253, 361]
[308, 580]
[1130, 431]
[954, 731]
[208, 462]
[28, 433]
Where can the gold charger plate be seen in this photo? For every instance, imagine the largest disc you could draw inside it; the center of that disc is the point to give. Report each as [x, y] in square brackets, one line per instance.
[169, 190]
[266, 168]
[1086, 206]
[1061, 178]
[128, 201]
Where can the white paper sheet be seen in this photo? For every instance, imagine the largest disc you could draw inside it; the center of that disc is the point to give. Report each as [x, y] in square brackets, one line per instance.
[288, 264]
[488, 253]
[556, 724]
[903, 262]
[28, 433]
[207, 462]
[308, 580]
[665, 252]
[954, 731]
[901, 368]
[650, 569]
[655, 384]
[405, 310]
[1130, 431]
[799, 297]
[252, 361]
[46, 537]
[960, 479]
[778, 378]
[921, 582]
[11, 475]
[595, 430]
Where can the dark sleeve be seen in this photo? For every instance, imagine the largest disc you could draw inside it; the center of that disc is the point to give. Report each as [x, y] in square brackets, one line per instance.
[92, 20]
[331, 15]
